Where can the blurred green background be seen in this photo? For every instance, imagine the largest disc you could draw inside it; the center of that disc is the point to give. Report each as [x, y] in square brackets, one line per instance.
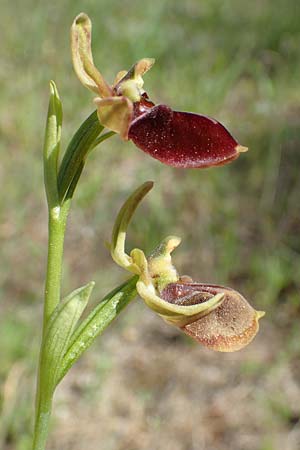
[144, 385]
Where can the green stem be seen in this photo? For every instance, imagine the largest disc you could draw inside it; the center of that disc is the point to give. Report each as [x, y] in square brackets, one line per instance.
[56, 228]
[41, 428]
[59, 205]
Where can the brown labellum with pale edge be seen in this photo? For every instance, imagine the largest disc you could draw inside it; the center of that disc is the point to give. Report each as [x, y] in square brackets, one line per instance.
[182, 139]
[228, 328]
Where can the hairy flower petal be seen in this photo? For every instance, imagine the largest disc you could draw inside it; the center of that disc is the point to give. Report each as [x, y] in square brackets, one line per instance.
[182, 139]
[227, 328]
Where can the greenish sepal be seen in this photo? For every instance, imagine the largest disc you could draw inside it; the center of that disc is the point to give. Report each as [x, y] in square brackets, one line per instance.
[180, 320]
[81, 41]
[59, 330]
[176, 314]
[120, 227]
[52, 145]
[75, 155]
[96, 322]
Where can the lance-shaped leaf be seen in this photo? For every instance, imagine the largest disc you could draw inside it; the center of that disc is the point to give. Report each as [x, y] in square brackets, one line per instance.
[75, 155]
[52, 145]
[96, 322]
[227, 328]
[182, 139]
[58, 333]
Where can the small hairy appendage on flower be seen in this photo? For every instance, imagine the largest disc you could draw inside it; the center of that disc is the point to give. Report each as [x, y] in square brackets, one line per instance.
[178, 139]
[216, 316]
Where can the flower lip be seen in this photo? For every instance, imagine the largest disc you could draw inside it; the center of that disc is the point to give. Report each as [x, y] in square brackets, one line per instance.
[190, 293]
[182, 288]
[229, 327]
[183, 139]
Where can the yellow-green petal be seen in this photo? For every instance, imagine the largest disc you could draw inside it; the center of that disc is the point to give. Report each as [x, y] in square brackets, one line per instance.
[179, 315]
[115, 113]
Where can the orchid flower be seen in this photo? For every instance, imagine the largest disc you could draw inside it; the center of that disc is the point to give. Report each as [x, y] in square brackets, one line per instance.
[216, 316]
[178, 139]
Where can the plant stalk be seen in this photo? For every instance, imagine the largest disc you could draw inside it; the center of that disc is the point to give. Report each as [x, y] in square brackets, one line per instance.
[41, 428]
[56, 229]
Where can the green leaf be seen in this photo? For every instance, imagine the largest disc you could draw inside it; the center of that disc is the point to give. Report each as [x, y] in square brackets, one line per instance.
[75, 155]
[58, 333]
[102, 138]
[52, 145]
[103, 314]
[76, 177]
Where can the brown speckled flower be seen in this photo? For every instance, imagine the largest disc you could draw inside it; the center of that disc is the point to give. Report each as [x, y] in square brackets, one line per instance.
[216, 316]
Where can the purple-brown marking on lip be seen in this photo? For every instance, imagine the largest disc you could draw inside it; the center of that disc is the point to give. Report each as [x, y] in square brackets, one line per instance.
[229, 327]
[182, 139]
[187, 294]
[143, 106]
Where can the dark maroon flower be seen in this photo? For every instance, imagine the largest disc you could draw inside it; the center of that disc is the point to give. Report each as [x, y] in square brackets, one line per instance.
[178, 139]
[182, 139]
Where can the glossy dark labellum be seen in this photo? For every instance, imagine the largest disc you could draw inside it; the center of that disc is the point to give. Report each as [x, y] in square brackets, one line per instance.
[229, 327]
[181, 139]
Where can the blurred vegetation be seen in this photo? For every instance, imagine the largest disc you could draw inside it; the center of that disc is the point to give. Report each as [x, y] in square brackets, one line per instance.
[236, 61]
